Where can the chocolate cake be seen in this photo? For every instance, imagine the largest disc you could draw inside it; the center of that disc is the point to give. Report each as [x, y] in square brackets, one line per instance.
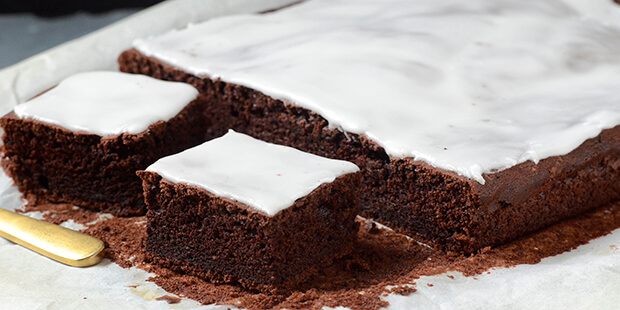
[82, 141]
[239, 210]
[470, 131]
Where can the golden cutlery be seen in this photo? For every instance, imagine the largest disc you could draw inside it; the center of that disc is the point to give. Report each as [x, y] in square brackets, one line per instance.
[64, 245]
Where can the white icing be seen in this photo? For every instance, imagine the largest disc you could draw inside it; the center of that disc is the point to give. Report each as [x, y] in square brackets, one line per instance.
[468, 86]
[108, 103]
[264, 176]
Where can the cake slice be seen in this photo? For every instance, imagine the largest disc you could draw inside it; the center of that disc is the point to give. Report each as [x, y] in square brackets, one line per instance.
[82, 141]
[239, 210]
[474, 122]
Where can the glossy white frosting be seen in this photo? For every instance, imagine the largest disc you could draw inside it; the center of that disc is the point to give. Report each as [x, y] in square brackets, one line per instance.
[264, 176]
[468, 86]
[108, 103]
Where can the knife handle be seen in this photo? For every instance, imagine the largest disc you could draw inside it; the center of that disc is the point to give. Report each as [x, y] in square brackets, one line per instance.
[64, 245]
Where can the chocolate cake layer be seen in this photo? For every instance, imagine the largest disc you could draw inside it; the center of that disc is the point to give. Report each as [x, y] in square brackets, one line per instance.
[436, 206]
[51, 163]
[225, 241]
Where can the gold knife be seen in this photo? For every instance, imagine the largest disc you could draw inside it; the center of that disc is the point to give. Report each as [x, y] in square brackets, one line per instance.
[64, 245]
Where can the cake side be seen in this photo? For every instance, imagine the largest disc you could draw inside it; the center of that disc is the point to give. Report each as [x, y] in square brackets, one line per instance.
[437, 206]
[53, 164]
[531, 195]
[224, 241]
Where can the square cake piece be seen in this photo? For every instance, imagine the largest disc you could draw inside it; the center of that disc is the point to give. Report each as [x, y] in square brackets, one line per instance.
[474, 122]
[82, 141]
[239, 210]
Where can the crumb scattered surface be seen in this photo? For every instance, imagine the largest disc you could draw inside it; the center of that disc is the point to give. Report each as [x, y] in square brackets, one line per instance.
[384, 262]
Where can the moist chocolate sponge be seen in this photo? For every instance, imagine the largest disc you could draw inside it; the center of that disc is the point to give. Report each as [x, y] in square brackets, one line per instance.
[225, 241]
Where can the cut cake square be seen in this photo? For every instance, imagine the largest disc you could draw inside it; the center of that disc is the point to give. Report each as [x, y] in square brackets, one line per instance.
[82, 141]
[239, 210]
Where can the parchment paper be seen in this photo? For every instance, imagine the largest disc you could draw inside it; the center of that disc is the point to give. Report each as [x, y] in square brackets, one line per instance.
[585, 278]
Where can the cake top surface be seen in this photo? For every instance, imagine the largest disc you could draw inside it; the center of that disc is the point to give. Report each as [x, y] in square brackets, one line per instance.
[472, 87]
[108, 103]
[264, 176]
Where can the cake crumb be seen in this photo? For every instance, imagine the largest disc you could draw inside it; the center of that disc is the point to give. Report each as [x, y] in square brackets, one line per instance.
[371, 227]
[403, 290]
[169, 299]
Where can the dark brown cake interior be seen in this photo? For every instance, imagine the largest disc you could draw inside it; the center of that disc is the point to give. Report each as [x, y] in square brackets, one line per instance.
[435, 206]
[53, 164]
[225, 241]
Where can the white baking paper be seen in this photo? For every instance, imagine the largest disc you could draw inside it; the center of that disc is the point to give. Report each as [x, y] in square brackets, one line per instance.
[585, 278]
